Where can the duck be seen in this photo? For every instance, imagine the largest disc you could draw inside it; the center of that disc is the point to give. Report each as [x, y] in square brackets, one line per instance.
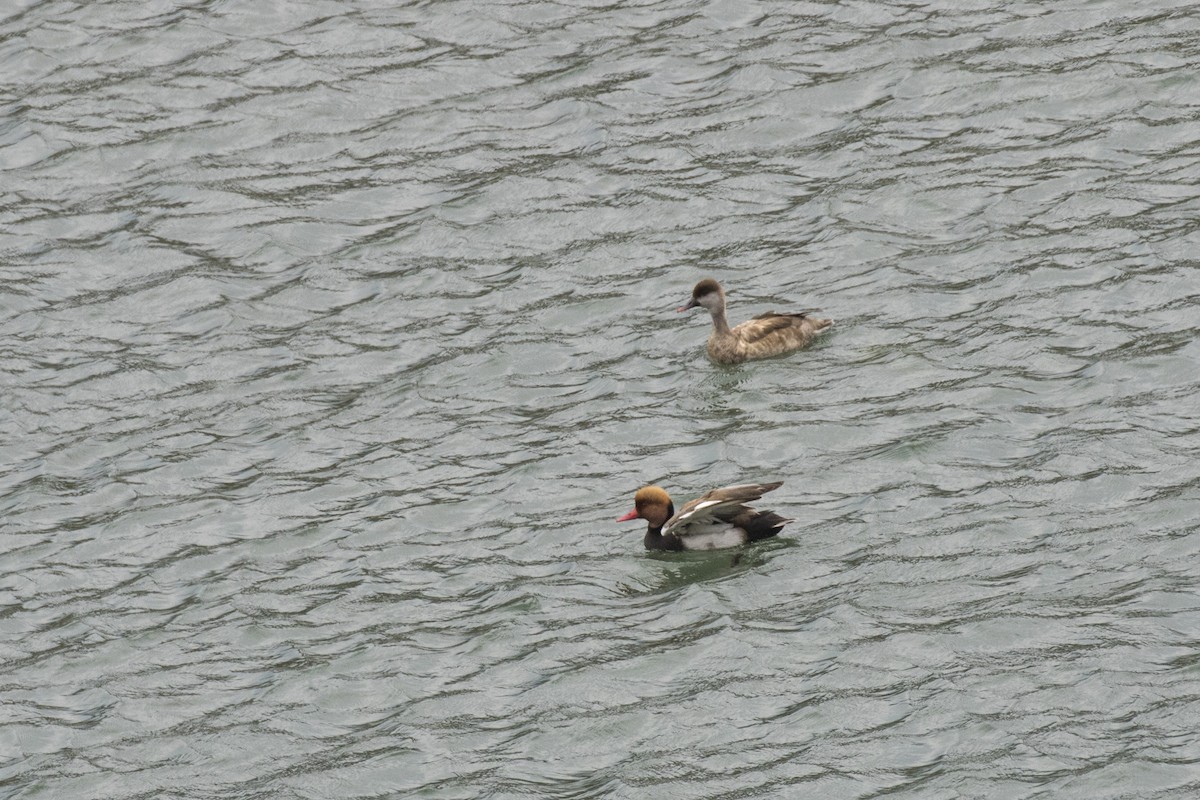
[717, 520]
[765, 336]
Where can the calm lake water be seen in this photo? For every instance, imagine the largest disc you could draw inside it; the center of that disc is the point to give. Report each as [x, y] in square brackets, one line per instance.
[336, 335]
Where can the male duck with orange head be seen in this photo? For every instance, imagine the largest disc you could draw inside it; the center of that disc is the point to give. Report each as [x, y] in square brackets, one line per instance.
[719, 519]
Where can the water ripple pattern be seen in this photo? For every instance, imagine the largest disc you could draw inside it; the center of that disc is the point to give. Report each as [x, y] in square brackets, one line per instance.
[336, 335]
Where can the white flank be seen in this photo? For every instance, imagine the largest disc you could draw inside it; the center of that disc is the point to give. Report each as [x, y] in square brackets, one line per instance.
[712, 536]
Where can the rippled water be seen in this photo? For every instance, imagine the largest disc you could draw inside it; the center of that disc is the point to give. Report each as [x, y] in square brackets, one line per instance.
[335, 336]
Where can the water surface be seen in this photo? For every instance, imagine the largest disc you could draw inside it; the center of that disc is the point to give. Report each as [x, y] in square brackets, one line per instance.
[336, 337]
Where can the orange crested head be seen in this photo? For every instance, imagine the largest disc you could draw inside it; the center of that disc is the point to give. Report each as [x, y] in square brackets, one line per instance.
[650, 503]
[651, 496]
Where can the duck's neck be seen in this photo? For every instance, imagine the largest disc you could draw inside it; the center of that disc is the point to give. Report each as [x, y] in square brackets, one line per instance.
[656, 541]
[720, 323]
[654, 537]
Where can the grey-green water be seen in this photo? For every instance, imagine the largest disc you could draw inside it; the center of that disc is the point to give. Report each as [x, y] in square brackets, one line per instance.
[335, 336]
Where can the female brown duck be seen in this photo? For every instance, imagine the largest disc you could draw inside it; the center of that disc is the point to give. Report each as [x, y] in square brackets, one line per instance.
[764, 336]
[719, 519]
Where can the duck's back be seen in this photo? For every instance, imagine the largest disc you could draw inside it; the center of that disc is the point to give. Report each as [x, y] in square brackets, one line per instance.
[765, 336]
[722, 519]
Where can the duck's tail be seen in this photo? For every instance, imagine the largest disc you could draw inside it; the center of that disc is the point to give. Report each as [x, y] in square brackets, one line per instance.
[764, 525]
